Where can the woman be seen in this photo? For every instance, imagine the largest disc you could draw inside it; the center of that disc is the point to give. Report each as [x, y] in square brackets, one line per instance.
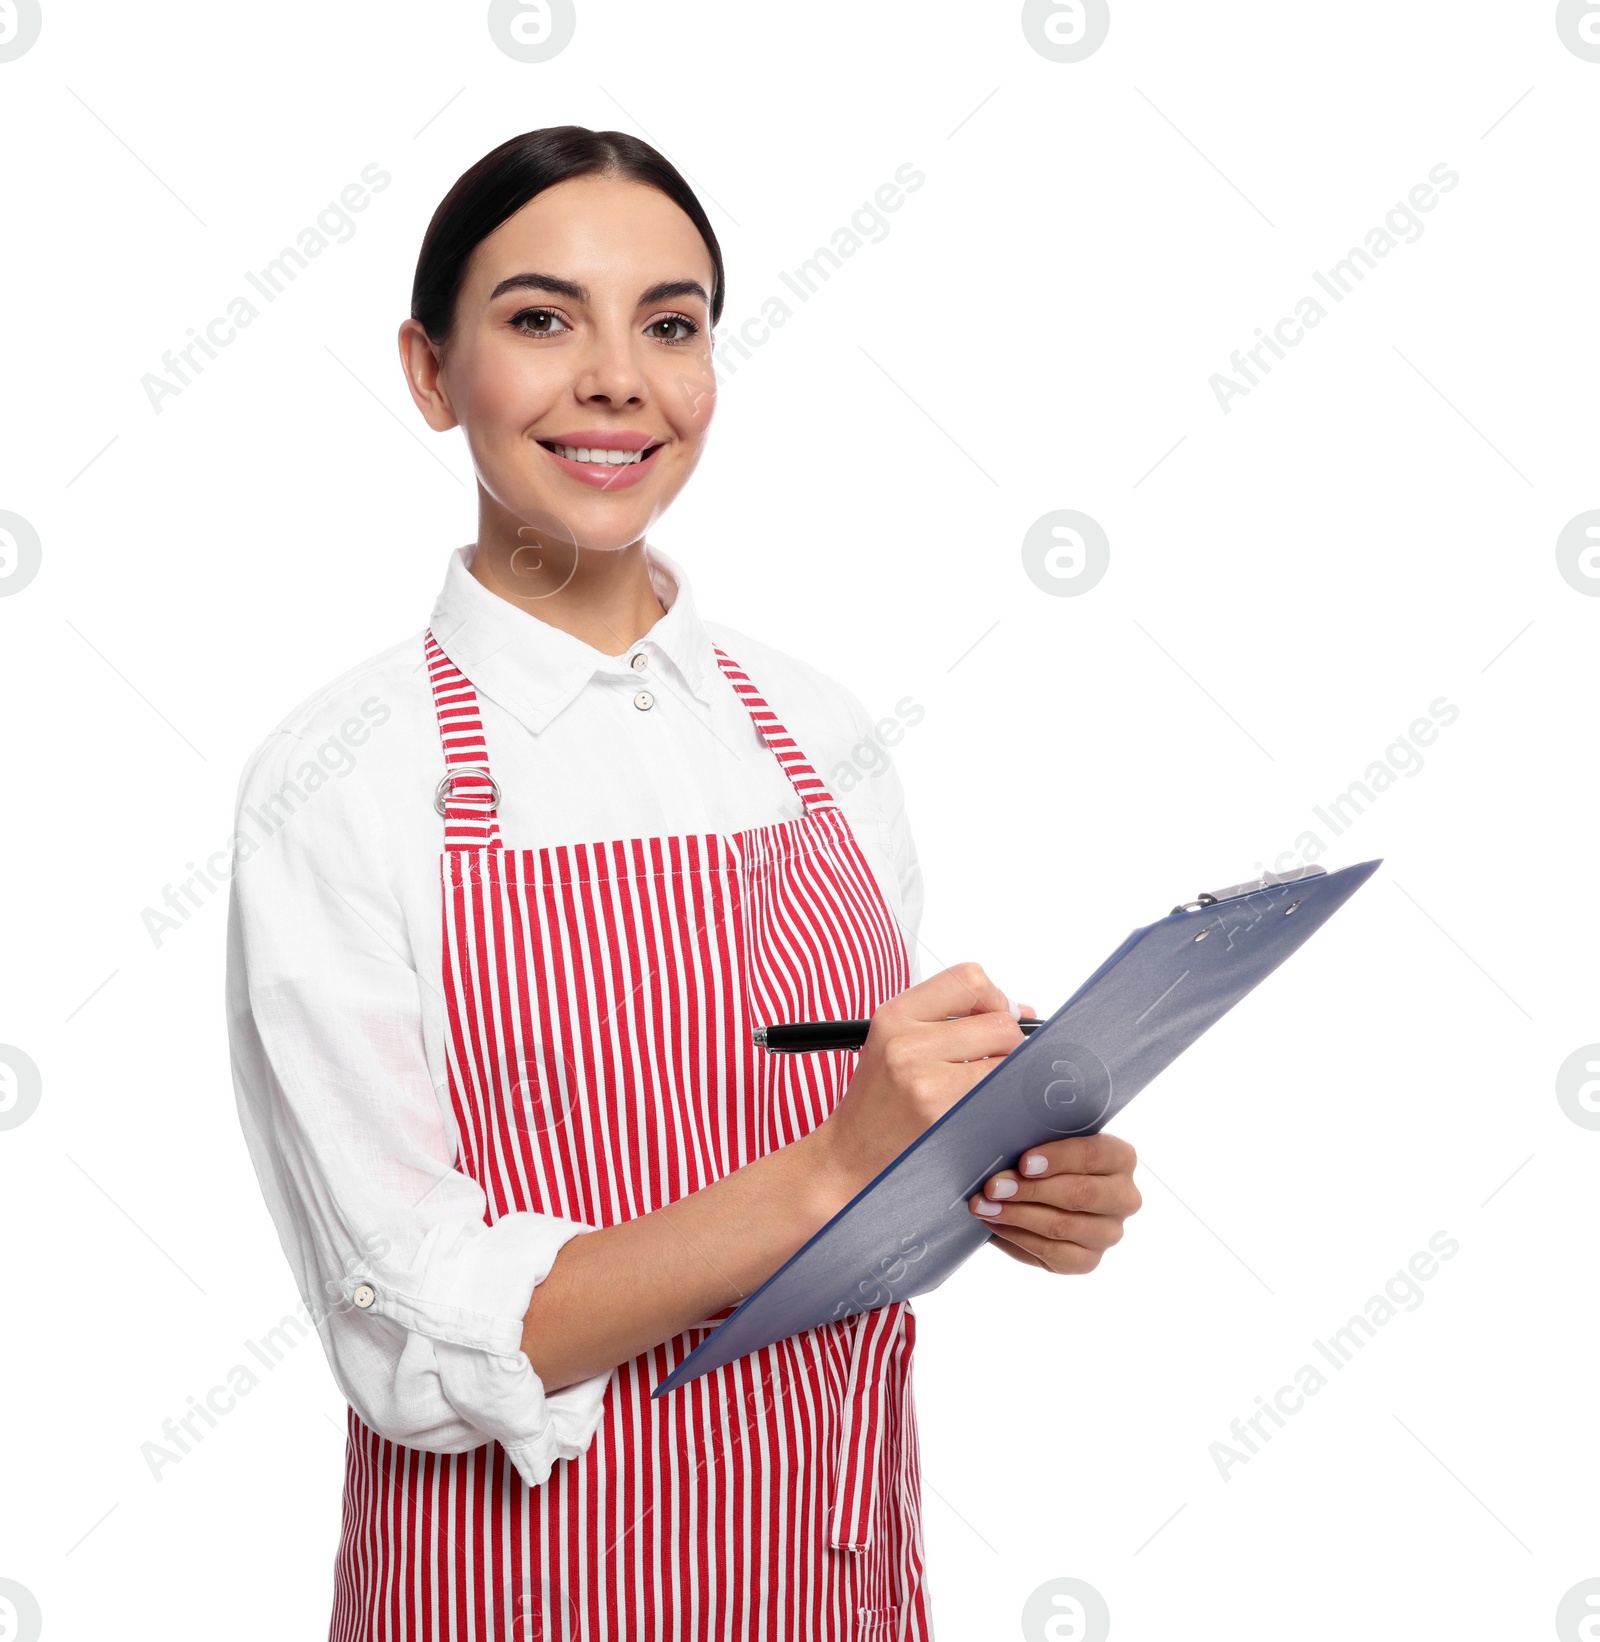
[492, 988]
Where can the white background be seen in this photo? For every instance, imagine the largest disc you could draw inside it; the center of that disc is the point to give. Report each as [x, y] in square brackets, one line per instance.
[1291, 583]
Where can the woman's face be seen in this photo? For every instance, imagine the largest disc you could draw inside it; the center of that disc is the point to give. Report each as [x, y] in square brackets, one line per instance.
[582, 339]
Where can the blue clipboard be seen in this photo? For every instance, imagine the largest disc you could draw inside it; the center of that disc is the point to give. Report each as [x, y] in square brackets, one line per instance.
[907, 1230]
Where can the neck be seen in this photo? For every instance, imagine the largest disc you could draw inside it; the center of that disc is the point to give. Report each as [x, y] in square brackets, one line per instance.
[605, 598]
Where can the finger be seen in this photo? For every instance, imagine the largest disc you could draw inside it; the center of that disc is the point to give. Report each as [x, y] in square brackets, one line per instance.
[1078, 1154]
[1090, 1231]
[967, 1038]
[974, 1037]
[962, 989]
[1088, 1193]
[1065, 1259]
[1013, 1252]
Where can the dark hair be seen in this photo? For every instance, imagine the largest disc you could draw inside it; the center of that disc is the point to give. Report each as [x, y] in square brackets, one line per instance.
[506, 178]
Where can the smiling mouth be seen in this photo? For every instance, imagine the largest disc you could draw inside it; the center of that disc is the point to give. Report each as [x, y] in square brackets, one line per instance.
[600, 458]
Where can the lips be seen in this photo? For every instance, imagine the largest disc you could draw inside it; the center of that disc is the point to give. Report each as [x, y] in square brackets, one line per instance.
[593, 462]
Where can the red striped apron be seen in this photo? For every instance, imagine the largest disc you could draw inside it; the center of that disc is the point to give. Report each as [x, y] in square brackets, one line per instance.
[600, 1001]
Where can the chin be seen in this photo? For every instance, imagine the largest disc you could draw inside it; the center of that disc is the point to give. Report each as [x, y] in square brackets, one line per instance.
[602, 532]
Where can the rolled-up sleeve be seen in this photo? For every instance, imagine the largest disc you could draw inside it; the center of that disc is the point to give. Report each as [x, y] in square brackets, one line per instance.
[418, 1300]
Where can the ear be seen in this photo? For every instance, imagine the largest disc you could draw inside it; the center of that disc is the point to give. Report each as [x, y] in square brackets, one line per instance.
[422, 363]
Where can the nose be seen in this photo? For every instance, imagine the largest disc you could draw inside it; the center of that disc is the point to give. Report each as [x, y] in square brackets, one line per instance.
[610, 372]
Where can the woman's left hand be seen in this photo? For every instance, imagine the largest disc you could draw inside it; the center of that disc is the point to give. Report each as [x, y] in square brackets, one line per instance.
[1070, 1210]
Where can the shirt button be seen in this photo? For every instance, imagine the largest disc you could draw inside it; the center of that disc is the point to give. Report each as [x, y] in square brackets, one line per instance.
[364, 1295]
[644, 701]
[640, 662]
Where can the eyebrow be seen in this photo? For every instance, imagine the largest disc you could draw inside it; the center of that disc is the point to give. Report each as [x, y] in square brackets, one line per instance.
[665, 291]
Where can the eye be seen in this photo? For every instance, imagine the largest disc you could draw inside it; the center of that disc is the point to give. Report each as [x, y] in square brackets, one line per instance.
[691, 329]
[536, 322]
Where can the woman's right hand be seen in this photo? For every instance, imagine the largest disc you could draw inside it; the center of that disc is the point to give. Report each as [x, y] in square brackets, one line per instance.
[915, 1065]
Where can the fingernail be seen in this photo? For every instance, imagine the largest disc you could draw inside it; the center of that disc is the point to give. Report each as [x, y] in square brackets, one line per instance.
[1015, 1008]
[985, 1207]
[1035, 1165]
[1004, 1188]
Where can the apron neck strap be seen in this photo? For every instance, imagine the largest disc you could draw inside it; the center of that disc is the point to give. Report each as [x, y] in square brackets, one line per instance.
[468, 797]
[804, 779]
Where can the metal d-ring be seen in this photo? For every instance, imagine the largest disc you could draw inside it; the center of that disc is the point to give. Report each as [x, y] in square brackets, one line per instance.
[442, 793]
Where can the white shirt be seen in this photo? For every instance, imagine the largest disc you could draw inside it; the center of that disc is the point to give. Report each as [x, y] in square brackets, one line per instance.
[336, 1018]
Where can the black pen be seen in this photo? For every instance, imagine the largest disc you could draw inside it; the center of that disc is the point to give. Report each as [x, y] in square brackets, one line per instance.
[804, 1037]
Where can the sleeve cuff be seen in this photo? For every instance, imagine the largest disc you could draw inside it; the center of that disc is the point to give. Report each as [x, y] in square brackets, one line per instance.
[468, 1358]
[489, 1273]
[507, 1401]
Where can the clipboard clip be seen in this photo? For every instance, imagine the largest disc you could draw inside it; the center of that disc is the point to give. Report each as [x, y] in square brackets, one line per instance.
[1209, 898]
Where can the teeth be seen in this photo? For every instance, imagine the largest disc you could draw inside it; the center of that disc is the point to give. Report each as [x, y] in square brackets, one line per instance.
[601, 458]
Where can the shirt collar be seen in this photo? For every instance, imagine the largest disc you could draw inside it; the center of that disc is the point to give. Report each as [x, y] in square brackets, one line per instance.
[534, 670]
